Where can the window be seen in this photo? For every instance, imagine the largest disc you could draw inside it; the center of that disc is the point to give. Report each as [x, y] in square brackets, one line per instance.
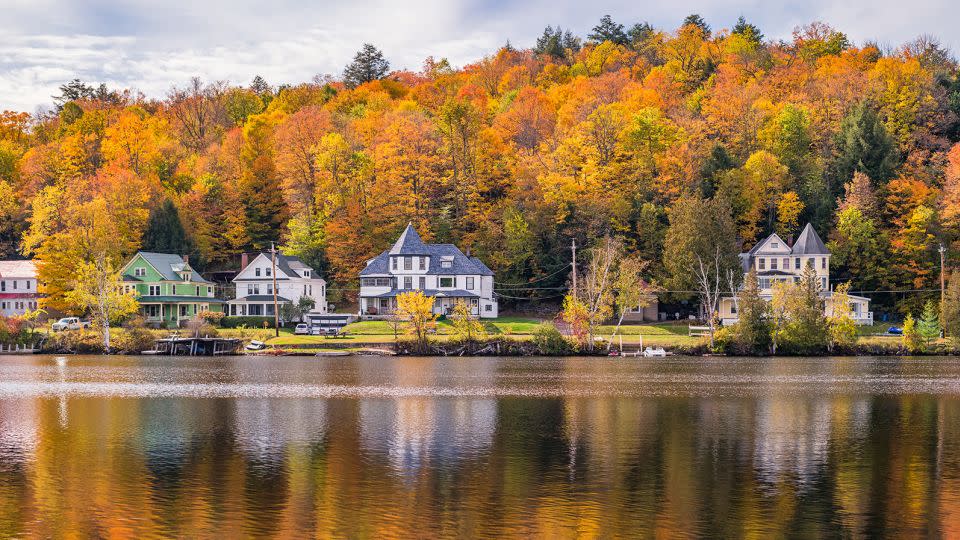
[28, 284]
[488, 307]
[152, 310]
[796, 263]
[446, 264]
[209, 290]
[184, 311]
[153, 290]
[733, 308]
[139, 271]
[256, 288]
[470, 283]
[198, 290]
[393, 263]
[773, 264]
[408, 263]
[774, 245]
[269, 288]
[408, 282]
[14, 284]
[306, 273]
[423, 263]
[823, 263]
[823, 282]
[256, 272]
[3, 285]
[762, 263]
[423, 282]
[447, 282]
[268, 270]
[375, 282]
[786, 263]
[249, 289]
[764, 283]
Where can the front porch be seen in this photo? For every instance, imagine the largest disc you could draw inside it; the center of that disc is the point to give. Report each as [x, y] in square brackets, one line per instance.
[172, 313]
[384, 306]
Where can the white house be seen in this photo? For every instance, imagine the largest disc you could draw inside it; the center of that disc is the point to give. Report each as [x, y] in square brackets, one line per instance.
[295, 280]
[18, 287]
[439, 270]
[777, 261]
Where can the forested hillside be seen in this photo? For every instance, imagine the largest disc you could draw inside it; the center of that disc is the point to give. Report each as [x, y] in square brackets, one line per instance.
[631, 131]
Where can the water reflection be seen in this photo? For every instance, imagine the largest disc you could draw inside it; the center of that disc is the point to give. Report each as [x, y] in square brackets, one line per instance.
[533, 447]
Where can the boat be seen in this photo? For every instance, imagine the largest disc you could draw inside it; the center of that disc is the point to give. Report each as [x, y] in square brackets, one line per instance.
[255, 345]
[651, 352]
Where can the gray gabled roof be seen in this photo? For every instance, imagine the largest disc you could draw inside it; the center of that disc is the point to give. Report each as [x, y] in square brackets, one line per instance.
[169, 264]
[809, 243]
[410, 243]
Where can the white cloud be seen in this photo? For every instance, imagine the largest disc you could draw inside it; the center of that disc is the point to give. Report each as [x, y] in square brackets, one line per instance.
[138, 45]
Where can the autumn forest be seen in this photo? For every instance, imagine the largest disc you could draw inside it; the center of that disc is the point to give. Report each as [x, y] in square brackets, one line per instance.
[631, 131]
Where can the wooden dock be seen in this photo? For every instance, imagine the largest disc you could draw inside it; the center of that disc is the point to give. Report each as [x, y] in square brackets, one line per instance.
[196, 346]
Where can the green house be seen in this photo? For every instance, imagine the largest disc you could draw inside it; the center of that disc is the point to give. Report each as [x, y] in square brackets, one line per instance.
[169, 290]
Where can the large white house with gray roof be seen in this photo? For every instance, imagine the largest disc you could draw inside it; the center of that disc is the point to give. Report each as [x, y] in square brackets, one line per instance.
[441, 271]
[776, 261]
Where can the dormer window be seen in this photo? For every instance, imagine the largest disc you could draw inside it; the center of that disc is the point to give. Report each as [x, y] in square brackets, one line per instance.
[423, 263]
[446, 261]
[306, 273]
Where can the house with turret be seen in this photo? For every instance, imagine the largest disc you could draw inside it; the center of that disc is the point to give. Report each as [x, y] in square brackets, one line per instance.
[777, 261]
[441, 271]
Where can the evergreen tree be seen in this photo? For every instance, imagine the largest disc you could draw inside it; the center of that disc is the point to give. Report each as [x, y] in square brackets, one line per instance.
[694, 19]
[751, 334]
[608, 30]
[555, 42]
[717, 162]
[863, 145]
[748, 31]
[929, 324]
[368, 65]
[264, 207]
[165, 232]
[803, 328]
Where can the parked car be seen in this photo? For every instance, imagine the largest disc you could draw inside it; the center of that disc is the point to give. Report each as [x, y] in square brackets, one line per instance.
[895, 331]
[301, 329]
[70, 323]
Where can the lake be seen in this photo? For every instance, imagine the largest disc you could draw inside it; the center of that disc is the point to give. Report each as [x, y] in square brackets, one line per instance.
[379, 447]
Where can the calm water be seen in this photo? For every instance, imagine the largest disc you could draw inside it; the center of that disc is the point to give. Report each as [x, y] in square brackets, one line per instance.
[483, 447]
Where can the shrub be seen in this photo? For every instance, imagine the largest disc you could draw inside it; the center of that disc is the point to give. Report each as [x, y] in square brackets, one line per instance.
[248, 321]
[912, 339]
[135, 337]
[550, 341]
[212, 317]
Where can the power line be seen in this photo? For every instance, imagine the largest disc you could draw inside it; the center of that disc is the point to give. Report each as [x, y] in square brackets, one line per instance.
[564, 268]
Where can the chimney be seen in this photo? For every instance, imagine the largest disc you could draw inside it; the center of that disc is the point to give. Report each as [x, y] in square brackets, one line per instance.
[244, 260]
[186, 259]
[468, 252]
[790, 241]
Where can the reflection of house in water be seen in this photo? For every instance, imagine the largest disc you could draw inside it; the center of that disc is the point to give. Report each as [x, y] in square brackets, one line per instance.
[792, 438]
[413, 430]
[18, 429]
[265, 427]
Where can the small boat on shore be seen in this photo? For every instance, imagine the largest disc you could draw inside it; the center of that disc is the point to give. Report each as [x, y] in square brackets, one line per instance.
[650, 352]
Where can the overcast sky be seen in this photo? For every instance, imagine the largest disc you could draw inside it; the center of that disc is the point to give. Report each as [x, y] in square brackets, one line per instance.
[149, 45]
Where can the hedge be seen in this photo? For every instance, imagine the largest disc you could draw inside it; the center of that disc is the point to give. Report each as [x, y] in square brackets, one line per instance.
[248, 321]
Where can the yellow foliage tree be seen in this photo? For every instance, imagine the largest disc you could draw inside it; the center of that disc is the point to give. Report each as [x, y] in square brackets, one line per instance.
[416, 310]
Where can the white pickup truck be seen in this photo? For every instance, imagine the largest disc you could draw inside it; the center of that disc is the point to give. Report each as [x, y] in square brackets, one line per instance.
[70, 323]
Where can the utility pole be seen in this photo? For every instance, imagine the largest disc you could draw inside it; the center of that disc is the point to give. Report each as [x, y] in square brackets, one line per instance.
[943, 251]
[276, 310]
[573, 264]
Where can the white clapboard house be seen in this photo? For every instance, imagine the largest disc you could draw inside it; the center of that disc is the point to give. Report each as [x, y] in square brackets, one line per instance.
[254, 285]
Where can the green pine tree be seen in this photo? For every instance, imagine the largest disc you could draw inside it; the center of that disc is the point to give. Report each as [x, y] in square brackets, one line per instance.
[929, 324]
[165, 232]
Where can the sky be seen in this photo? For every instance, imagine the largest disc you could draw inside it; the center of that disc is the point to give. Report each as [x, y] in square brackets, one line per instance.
[149, 45]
